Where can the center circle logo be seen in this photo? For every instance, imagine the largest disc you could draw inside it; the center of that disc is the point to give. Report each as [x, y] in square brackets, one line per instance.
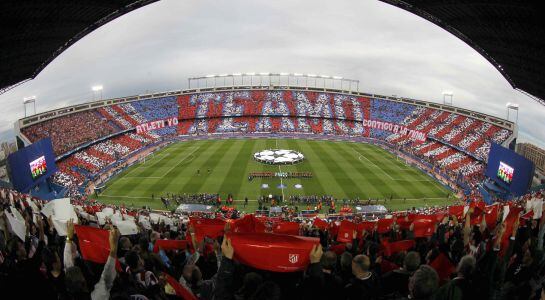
[279, 157]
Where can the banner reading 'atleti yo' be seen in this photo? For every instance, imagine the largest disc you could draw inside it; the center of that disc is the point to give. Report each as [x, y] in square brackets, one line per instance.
[158, 124]
[395, 128]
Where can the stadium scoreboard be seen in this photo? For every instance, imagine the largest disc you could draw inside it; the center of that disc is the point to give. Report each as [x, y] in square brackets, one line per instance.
[509, 170]
[32, 165]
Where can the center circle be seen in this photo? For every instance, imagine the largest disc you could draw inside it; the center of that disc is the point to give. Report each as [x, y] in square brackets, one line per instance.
[279, 157]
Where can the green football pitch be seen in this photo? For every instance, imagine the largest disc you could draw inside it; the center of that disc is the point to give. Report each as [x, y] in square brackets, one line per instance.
[340, 169]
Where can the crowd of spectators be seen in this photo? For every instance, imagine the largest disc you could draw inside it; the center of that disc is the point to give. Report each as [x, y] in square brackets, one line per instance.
[70, 131]
[470, 251]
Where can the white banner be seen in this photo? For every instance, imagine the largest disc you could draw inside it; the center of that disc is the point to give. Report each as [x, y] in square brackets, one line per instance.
[158, 124]
[395, 128]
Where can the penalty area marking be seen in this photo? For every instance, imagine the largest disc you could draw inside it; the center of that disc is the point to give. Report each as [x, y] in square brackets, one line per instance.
[183, 160]
[394, 179]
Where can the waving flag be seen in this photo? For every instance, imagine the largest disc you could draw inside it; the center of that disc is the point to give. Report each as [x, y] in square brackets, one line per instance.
[346, 231]
[272, 252]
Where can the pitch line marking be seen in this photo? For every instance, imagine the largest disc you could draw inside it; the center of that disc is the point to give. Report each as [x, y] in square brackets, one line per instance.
[361, 155]
[140, 164]
[176, 165]
[158, 177]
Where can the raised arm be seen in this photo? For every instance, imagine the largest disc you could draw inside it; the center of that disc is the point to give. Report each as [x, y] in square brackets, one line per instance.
[104, 285]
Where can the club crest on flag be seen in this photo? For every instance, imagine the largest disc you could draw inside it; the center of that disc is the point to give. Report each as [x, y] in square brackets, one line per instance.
[294, 258]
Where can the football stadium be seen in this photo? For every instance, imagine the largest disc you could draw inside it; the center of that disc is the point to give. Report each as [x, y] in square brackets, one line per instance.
[272, 185]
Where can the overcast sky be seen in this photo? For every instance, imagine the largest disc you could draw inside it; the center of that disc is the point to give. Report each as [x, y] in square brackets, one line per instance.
[391, 51]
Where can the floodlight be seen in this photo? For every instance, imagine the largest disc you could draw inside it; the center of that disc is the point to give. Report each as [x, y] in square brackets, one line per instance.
[97, 88]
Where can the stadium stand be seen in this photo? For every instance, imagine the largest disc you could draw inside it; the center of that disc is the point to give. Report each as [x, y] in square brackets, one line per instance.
[455, 144]
[465, 251]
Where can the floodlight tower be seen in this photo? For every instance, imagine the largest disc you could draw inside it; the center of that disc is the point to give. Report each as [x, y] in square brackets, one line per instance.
[515, 107]
[447, 95]
[31, 101]
[97, 89]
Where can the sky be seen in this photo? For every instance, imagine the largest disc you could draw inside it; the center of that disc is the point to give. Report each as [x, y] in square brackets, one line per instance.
[391, 52]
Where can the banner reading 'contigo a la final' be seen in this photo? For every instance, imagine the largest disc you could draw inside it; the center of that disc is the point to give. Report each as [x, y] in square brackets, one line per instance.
[395, 128]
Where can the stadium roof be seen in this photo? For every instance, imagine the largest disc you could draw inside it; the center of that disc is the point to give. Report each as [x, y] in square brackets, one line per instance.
[510, 34]
[34, 32]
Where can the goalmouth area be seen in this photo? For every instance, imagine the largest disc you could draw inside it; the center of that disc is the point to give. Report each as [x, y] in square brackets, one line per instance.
[342, 169]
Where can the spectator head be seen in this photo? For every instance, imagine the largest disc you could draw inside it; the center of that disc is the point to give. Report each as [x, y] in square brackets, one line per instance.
[154, 236]
[360, 265]
[346, 261]
[411, 261]
[466, 266]
[192, 274]
[423, 283]
[133, 260]
[125, 243]
[329, 261]
[267, 291]
[144, 244]
[75, 282]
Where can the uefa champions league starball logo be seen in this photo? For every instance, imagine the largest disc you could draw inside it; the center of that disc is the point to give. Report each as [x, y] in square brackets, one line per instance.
[279, 157]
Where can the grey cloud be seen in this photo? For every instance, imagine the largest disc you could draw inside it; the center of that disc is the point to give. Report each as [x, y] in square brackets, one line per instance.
[389, 50]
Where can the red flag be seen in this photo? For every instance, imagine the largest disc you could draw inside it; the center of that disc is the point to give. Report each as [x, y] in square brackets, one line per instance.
[384, 225]
[287, 228]
[334, 228]
[365, 225]
[169, 245]
[321, 224]
[514, 212]
[94, 243]
[212, 228]
[491, 215]
[273, 252]
[346, 231]
[423, 228]
[478, 207]
[528, 216]
[180, 290]
[396, 247]
[248, 224]
[443, 266]
[404, 223]
[456, 210]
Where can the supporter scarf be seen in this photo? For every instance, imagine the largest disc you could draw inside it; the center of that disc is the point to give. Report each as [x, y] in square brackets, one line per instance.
[457, 211]
[272, 252]
[443, 266]
[291, 228]
[423, 228]
[169, 245]
[365, 225]
[94, 243]
[248, 224]
[346, 231]
[384, 225]
[319, 223]
[491, 215]
[179, 289]
[509, 222]
[211, 228]
[396, 247]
